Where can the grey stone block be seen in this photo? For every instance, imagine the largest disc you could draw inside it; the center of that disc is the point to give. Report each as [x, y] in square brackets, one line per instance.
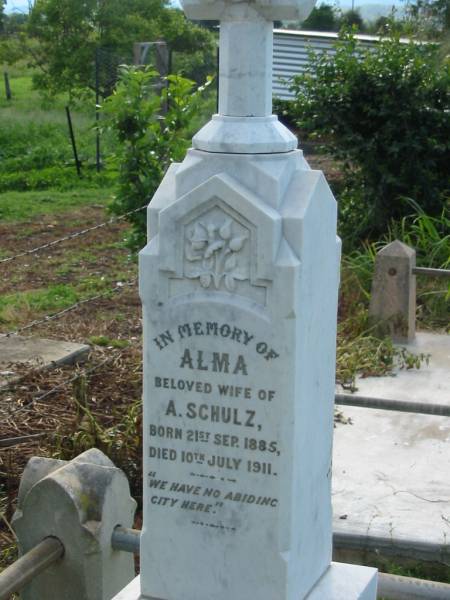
[80, 502]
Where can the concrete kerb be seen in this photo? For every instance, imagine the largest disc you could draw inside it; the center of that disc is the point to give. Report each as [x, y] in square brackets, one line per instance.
[37, 353]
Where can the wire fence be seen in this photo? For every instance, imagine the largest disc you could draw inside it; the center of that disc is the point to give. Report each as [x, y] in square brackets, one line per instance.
[72, 236]
[118, 288]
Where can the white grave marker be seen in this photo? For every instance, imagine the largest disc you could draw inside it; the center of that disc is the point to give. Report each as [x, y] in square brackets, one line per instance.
[239, 286]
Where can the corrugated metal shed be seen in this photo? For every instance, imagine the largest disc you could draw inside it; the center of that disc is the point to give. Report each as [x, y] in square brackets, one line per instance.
[290, 54]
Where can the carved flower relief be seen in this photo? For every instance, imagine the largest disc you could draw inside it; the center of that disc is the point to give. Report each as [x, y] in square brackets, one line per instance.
[216, 250]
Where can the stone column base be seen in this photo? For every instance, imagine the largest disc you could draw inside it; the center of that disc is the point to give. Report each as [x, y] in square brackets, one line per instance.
[341, 582]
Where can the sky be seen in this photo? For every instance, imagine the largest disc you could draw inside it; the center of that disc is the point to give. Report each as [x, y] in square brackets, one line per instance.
[16, 5]
[22, 5]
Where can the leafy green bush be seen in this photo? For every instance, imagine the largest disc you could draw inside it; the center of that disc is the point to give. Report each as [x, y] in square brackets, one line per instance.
[384, 113]
[148, 141]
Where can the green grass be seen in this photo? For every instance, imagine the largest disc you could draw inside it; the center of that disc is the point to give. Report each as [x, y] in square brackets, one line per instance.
[53, 298]
[25, 206]
[27, 104]
[34, 303]
[104, 341]
[35, 146]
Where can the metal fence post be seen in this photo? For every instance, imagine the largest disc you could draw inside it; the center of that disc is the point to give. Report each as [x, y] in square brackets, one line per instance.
[79, 502]
[393, 299]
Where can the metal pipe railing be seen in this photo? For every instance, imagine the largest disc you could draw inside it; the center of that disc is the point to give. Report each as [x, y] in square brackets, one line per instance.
[406, 548]
[393, 587]
[396, 587]
[126, 539]
[34, 562]
[28, 566]
[431, 272]
[424, 408]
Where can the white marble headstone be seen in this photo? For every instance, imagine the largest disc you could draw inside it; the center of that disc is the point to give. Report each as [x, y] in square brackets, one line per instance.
[239, 287]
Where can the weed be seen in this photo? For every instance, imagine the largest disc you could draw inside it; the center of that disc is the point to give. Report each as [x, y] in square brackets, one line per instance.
[417, 570]
[8, 555]
[366, 355]
[122, 442]
[430, 236]
[101, 340]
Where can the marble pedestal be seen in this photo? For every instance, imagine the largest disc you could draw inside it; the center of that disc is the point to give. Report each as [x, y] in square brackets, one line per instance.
[340, 582]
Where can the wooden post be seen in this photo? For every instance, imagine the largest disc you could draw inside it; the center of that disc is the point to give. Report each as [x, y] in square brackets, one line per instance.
[7, 87]
[393, 300]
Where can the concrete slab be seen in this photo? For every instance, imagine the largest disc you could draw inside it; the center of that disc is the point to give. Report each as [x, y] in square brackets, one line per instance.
[429, 385]
[391, 480]
[346, 582]
[36, 352]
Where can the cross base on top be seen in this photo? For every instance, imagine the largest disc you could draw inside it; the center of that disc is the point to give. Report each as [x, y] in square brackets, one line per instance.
[244, 123]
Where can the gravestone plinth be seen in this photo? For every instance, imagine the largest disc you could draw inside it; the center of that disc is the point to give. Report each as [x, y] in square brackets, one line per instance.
[239, 287]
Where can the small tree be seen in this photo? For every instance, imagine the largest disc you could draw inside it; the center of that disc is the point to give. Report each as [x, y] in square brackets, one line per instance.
[148, 142]
[352, 19]
[69, 33]
[321, 18]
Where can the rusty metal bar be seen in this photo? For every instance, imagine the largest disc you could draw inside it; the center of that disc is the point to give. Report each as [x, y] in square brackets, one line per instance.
[28, 566]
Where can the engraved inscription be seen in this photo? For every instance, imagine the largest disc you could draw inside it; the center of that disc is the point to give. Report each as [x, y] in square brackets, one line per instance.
[214, 439]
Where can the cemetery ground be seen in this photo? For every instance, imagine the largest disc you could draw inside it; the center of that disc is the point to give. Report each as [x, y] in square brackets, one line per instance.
[61, 412]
